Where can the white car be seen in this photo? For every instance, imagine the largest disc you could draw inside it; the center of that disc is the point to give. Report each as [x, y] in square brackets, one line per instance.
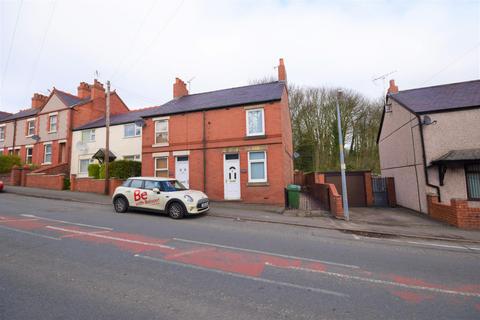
[160, 194]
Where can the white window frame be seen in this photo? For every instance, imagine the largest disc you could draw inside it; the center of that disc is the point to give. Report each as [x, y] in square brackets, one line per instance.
[27, 161]
[91, 135]
[264, 161]
[136, 157]
[90, 161]
[165, 143]
[2, 132]
[45, 153]
[50, 116]
[248, 111]
[160, 169]
[137, 132]
[28, 127]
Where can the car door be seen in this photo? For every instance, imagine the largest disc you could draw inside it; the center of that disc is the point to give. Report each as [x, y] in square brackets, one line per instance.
[153, 199]
[135, 194]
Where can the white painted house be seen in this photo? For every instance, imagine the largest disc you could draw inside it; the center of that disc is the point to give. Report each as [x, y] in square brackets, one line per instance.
[125, 141]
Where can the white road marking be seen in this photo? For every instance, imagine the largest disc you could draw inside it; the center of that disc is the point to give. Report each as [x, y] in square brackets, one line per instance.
[30, 233]
[77, 235]
[66, 222]
[268, 253]
[356, 237]
[95, 235]
[383, 282]
[237, 275]
[17, 220]
[433, 244]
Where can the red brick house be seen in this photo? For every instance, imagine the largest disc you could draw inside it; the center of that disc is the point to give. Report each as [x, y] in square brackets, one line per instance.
[234, 144]
[42, 134]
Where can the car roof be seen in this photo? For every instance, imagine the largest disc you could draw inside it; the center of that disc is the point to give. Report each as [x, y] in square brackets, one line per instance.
[153, 178]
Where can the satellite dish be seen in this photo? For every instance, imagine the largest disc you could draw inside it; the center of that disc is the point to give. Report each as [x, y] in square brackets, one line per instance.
[36, 137]
[296, 155]
[426, 120]
[140, 123]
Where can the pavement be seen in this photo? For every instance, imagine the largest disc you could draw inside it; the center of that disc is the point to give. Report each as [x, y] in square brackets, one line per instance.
[75, 260]
[372, 221]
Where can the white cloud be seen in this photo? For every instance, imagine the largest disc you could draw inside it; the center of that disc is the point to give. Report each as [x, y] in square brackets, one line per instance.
[228, 43]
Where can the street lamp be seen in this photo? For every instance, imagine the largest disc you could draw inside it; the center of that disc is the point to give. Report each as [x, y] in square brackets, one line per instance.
[342, 158]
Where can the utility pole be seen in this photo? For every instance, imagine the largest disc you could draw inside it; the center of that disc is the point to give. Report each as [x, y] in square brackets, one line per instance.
[107, 140]
[342, 159]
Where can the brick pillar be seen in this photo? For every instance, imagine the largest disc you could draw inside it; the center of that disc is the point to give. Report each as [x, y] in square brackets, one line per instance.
[26, 170]
[16, 176]
[367, 177]
[392, 198]
[73, 182]
[319, 177]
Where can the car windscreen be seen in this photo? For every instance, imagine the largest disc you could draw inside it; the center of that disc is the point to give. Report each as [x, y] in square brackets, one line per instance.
[171, 185]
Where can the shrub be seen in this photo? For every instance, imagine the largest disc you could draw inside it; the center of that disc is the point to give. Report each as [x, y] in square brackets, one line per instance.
[122, 169]
[94, 170]
[66, 184]
[8, 161]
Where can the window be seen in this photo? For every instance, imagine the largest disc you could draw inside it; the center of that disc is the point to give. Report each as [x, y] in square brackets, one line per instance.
[135, 157]
[10, 152]
[472, 173]
[136, 184]
[28, 155]
[127, 183]
[30, 127]
[150, 184]
[2, 133]
[161, 167]
[257, 166]
[83, 167]
[161, 131]
[255, 122]
[47, 155]
[131, 130]
[16, 152]
[88, 135]
[52, 120]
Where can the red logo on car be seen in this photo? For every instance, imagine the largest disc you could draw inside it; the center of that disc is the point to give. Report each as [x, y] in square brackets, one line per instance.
[138, 195]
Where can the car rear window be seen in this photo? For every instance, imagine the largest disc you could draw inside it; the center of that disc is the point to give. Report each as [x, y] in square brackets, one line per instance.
[127, 183]
[136, 184]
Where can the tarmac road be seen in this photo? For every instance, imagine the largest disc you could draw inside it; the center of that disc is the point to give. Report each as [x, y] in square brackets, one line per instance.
[67, 260]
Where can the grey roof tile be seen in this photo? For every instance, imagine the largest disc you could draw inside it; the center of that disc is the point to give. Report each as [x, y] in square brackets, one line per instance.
[22, 114]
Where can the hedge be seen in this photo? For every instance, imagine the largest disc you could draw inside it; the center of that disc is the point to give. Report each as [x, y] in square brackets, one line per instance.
[8, 161]
[94, 170]
[122, 169]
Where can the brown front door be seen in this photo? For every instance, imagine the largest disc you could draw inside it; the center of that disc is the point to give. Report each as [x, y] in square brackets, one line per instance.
[61, 153]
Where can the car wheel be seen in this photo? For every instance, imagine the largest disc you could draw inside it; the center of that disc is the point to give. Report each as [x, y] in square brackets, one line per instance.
[120, 204]
[176, 210]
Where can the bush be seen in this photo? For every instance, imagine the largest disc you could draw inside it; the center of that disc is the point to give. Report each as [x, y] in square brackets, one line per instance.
[8, 161]
[122, 169]
[94, 170]
[66, 184]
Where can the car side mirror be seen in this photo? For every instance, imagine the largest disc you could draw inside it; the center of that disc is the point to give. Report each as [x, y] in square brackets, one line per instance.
[156, 190]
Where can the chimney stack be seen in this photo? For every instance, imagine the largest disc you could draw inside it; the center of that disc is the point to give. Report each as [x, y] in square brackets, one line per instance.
[282, 72]
[179, 88]
[38, 100]
[97, 90]
[83, 90]
[393, 87]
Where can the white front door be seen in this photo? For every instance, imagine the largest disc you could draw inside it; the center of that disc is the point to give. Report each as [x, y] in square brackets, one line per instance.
[231, 174]
[181, 170]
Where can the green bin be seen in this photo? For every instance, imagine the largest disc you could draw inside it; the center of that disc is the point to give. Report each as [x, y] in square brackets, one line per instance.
[293, 192]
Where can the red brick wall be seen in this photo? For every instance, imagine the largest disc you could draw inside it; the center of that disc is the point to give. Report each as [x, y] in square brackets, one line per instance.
[93, 185]
[458, 213]
[41, 180]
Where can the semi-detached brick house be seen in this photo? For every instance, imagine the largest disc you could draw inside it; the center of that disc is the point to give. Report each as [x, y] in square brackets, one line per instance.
[234, 144]
[51, 120]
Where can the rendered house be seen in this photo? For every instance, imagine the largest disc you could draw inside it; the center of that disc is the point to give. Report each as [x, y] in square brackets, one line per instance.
[42, 134]
[125, 140]
[429, 141]
[234, 144]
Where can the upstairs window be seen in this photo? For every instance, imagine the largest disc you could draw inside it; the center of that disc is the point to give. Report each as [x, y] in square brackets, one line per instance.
[88, 135]
[161, 131]
[472, 173]
[2, 133]
[131, 130]
[30, 127]
[255, 122]
[52, 123]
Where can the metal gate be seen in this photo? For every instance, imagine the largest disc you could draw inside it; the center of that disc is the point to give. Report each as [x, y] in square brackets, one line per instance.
[380, 196]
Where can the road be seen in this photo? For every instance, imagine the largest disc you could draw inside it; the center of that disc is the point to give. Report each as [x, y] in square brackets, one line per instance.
[67, 260]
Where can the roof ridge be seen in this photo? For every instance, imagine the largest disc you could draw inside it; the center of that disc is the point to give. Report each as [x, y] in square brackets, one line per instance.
[436, 86]
[231, 88]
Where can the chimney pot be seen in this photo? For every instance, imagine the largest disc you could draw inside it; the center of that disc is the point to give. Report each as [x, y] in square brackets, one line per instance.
[393, 88]
[97, 90]
[38, 100]
[83, 90]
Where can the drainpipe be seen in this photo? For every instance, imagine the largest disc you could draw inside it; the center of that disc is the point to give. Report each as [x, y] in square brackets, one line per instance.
[14, 134]
[204, 144]
[425, 159]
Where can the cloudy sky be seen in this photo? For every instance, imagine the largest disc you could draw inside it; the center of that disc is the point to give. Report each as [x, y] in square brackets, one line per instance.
[142, 45]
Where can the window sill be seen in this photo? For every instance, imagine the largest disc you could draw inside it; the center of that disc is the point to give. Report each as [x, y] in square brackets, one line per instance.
[46, 163]
[260, 136]
[164, 144]
[52, 132]
[131, 137]
[258, 184]
[29, 136]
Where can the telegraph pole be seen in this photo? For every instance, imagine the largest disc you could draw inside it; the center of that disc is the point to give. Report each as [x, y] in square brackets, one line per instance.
[107, 140]
[342, 160]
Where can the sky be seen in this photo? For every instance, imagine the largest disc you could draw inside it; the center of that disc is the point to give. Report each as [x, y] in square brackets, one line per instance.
[142, 45]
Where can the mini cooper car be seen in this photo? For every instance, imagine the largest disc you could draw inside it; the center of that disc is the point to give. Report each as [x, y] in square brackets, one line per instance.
[159, 194]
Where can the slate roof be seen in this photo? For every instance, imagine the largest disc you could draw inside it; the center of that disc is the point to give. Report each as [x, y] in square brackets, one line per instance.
[22, 114]
[127, 117]
[69, 99]
[4, 114]
[464, 155]
[440, 98]
[258, 93]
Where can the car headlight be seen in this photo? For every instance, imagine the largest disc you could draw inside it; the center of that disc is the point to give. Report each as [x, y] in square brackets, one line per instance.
[188, 198]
